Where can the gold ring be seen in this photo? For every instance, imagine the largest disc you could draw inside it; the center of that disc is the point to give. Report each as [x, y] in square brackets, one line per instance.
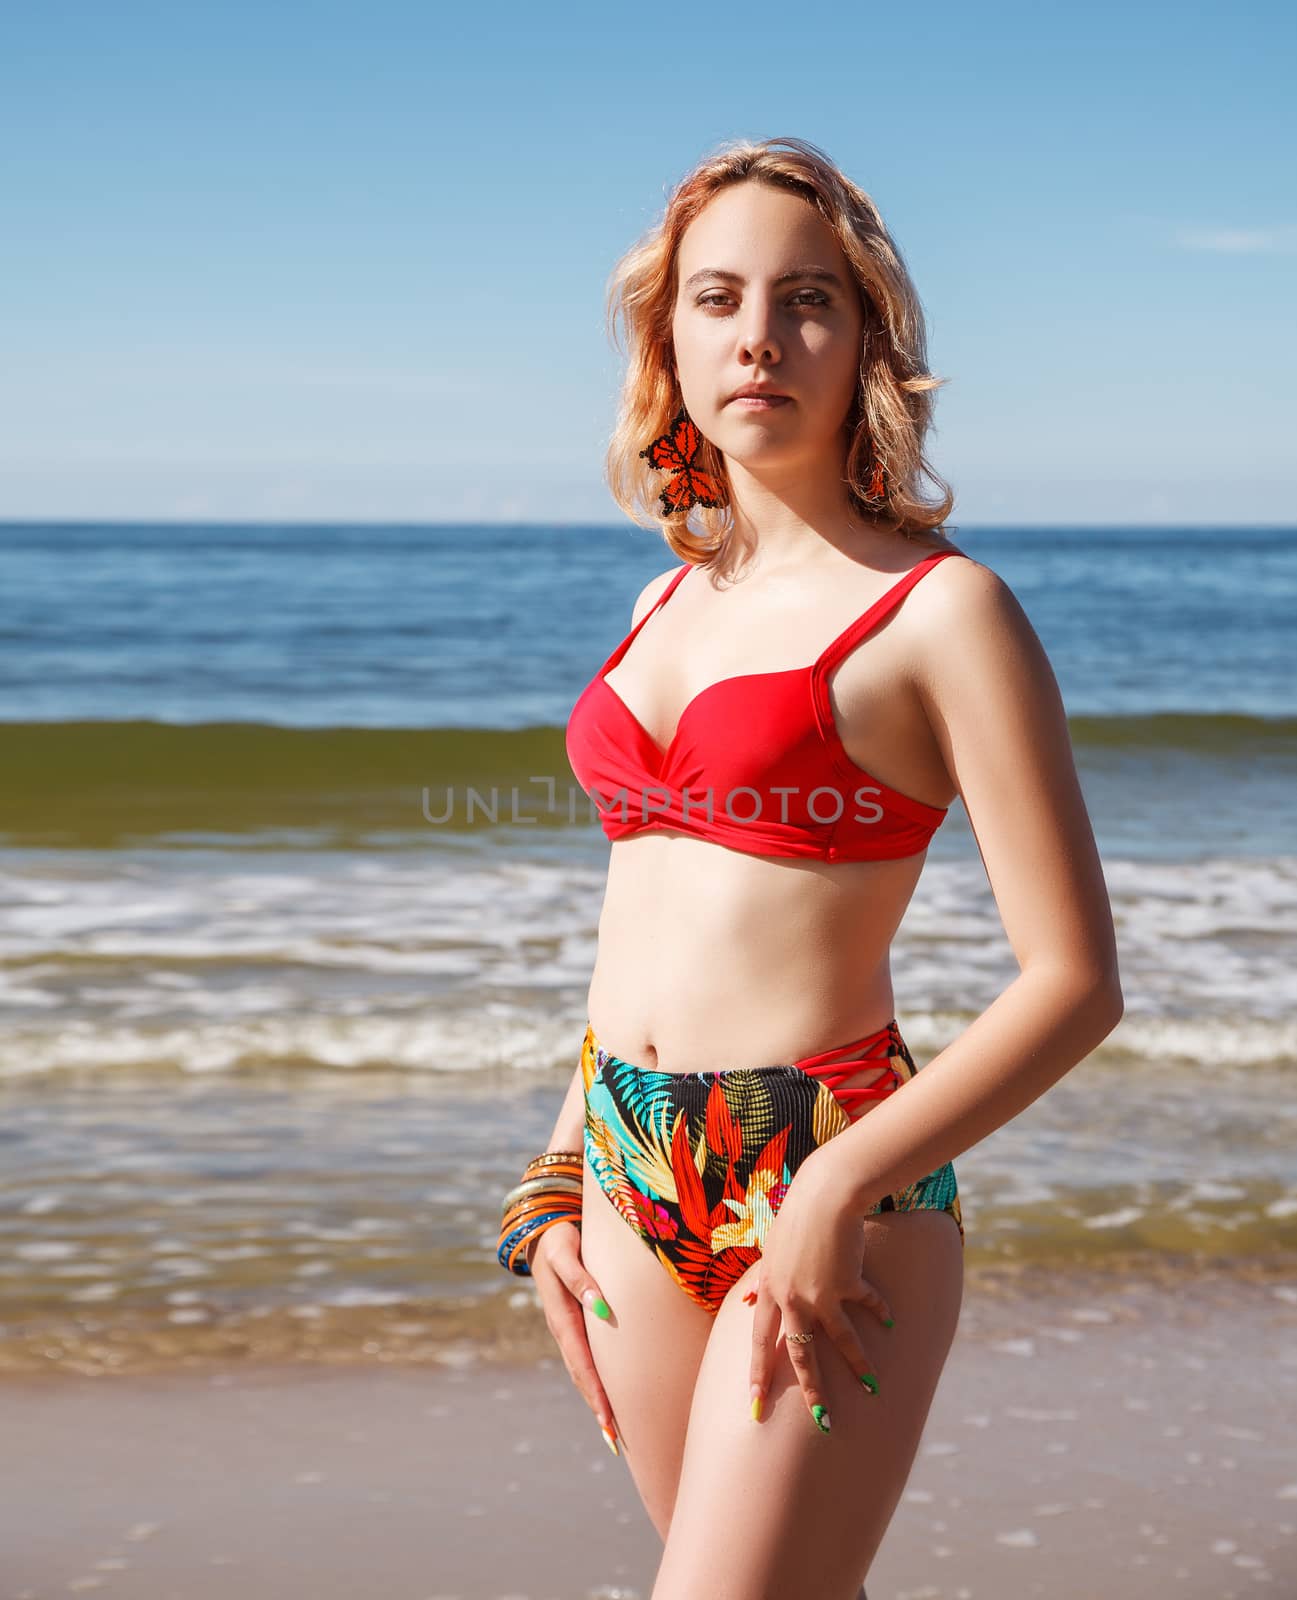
[798, 1338]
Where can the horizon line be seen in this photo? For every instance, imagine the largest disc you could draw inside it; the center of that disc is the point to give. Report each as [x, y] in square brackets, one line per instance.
[417, 522]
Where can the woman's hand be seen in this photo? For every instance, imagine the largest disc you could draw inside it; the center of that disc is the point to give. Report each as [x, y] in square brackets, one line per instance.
[564, 1286]
[811, 1268]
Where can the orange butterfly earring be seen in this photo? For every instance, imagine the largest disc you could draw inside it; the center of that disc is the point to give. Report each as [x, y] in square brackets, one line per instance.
[675, 452]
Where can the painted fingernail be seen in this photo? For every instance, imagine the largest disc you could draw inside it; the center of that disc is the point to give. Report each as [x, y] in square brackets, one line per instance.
[750, 1298]
[889, 1322]
[821, 1416]
[758, 1402]
[870, 1382]
[597, 1304]
[610, 1439]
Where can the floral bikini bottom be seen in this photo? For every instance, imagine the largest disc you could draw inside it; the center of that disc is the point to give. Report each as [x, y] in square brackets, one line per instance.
[698, 1162]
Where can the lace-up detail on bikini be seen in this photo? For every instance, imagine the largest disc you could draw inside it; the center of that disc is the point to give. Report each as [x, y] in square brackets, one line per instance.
[756, 761]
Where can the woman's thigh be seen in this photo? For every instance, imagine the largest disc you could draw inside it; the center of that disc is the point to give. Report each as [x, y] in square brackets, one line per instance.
[776, 1507]
[647, 1354]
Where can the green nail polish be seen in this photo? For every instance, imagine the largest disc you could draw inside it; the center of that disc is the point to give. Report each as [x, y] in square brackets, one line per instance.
[870, 1382]
[890, 1322]
[600, 1307]
[821, 1416]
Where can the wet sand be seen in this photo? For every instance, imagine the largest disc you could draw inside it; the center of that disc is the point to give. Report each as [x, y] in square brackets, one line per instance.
[1077, 1449]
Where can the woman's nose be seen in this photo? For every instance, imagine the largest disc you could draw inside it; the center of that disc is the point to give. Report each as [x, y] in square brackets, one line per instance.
[760, 341]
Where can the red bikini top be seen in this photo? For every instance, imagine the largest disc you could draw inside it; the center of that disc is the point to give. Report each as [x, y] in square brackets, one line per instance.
[756, 762]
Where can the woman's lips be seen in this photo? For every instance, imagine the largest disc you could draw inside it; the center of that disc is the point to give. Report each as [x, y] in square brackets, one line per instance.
[760, 402]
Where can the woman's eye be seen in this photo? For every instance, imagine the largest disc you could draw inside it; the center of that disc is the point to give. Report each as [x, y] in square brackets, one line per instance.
[716, 297]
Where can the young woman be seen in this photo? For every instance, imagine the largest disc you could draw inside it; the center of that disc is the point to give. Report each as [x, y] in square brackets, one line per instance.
[747, 1237]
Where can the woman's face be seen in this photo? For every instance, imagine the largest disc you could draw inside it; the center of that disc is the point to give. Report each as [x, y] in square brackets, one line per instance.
[736, 323]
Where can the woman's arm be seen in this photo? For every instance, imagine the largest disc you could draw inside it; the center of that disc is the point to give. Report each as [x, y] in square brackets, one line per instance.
[996, 711]
[569, 1130]
[568, 1135]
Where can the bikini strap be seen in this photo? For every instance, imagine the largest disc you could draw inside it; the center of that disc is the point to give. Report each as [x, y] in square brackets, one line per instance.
[661, 600]
[667, 592]
[851, 636]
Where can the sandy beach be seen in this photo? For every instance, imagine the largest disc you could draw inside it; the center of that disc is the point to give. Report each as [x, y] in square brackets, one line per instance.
[1115, 1441]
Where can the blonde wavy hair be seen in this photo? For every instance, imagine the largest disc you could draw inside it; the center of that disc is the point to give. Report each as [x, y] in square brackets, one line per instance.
[892, 408]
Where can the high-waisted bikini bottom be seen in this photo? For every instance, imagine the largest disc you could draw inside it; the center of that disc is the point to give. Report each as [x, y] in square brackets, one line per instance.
[698, 1162]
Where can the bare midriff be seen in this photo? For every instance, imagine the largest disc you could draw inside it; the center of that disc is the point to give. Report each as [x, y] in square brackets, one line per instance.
[710, 958]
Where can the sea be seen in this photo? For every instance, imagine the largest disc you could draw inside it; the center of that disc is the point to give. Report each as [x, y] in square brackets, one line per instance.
[282, 1014]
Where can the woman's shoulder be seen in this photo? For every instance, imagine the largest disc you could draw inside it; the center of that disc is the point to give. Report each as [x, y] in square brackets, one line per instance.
[956, 576]
[651, 593]
[964, 607]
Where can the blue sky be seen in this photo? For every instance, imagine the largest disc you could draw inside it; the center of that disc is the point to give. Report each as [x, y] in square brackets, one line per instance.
[345, 262]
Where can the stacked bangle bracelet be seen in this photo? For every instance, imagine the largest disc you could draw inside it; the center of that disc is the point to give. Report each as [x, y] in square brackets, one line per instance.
[548, 1192]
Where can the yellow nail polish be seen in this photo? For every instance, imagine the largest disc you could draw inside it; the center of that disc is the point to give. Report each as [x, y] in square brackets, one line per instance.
[758, 1404]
